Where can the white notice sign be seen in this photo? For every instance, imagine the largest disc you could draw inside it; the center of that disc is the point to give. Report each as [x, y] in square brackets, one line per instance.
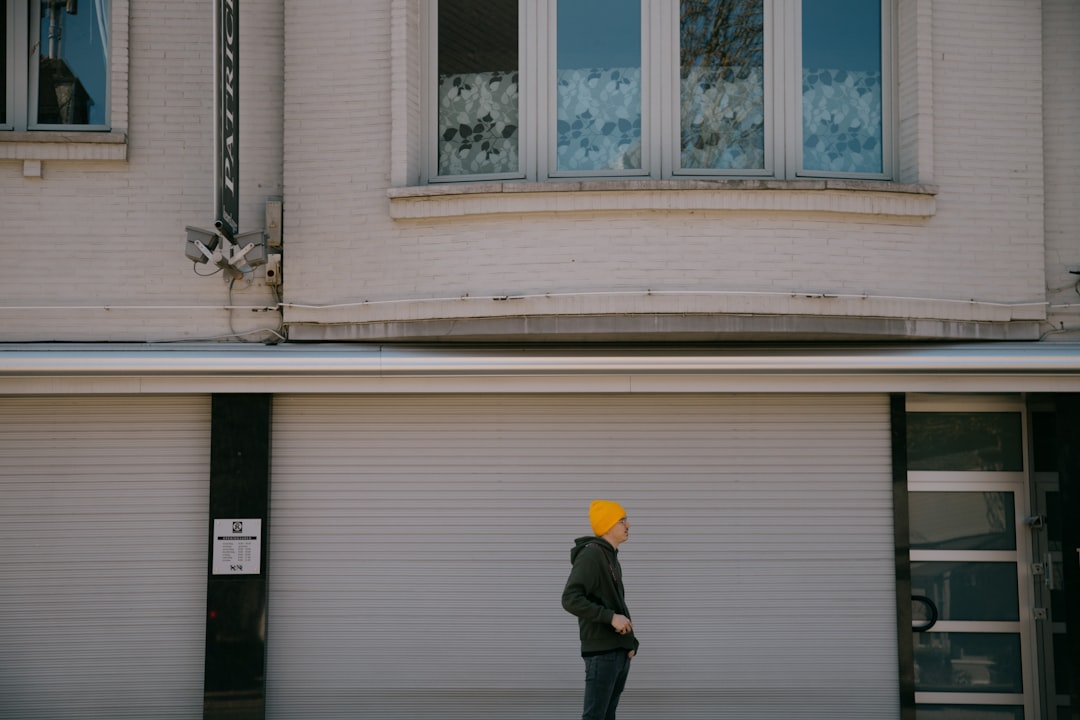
[236, 546]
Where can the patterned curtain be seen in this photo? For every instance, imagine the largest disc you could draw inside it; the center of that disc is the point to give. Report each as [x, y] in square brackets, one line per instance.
[599, 121]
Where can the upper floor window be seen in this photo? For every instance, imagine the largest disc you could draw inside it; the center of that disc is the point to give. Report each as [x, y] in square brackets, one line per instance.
[54, 62]
[548, 89]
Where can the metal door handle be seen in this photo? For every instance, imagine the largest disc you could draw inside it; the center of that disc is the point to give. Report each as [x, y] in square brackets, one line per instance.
[933, 613]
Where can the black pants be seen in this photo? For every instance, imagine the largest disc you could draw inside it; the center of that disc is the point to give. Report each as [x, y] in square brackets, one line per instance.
[605, 678]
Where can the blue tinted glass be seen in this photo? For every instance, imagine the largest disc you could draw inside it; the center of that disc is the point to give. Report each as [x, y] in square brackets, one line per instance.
[72, 82]
[842, 34]
[598, 85]
[842, 106]
[599, 33]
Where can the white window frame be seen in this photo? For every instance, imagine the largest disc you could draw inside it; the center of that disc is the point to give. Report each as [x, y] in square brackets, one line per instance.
[429, 103]
[547, 125]
[772, 39]
[794, 144]
[660, 100]
[23, 62]
[14, 47]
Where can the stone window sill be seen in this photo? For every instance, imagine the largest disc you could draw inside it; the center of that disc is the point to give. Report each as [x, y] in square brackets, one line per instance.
[63, 145]
[846, 197]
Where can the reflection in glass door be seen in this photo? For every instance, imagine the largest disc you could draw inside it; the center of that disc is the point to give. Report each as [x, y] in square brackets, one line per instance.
[1047, 545]
[970, 550]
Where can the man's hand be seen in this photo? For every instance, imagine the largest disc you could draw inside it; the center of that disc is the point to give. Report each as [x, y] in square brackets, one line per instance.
[621, 623]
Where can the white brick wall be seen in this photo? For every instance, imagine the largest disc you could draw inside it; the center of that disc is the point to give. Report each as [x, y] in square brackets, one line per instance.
[915, 59]
[323, 130]
[1061, 68]
[93, 234]
[984, 243]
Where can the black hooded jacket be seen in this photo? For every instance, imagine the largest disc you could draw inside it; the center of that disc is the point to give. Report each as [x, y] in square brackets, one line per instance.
[594, 592]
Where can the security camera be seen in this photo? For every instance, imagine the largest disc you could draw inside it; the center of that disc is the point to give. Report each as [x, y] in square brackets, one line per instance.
[250, 249]
[234, 256]
[206, 237]
[200, 244]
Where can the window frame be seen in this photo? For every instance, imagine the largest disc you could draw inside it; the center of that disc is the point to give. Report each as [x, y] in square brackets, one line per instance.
[12, 49]
[23, 55]
[429, 102]
[772, 40]
[547, 122]
[661, 122]
[889, 122]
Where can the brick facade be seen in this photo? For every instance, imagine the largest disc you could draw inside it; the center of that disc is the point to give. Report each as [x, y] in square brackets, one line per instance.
[987, 110]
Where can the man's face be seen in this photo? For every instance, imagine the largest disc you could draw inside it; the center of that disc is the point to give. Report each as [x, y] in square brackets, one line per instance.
[620, 532]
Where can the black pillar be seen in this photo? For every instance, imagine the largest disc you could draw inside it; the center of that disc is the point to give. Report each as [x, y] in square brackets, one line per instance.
[902, 544]
[1068, 439]
[236, 591]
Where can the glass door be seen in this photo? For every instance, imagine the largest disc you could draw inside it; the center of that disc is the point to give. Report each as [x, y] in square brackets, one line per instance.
[1047, 547]
[970, 560]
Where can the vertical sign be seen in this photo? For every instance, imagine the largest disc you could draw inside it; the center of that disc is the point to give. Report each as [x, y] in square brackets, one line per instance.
[227, 100]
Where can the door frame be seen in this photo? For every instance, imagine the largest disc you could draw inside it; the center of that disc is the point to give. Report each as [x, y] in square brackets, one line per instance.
[1020, 485]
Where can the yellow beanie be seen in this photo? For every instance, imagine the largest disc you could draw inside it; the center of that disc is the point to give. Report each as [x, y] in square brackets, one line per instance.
[603, 514]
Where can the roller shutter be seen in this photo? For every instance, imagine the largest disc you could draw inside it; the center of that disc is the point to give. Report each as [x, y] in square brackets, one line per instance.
[420, 546]
[103, 556]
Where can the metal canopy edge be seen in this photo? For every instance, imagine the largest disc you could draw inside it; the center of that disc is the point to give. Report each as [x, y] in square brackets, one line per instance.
[192, 360]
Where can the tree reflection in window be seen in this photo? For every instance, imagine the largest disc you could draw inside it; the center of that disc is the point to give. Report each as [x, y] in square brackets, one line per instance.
[722, 81]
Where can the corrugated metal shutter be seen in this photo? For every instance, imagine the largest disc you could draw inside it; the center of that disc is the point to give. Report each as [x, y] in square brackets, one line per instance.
[103, 505]
[420, 545]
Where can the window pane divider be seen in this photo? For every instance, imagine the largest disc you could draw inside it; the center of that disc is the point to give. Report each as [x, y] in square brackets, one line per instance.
[661, 97]
[532, 105]
[669, 96]
[969, 698]
[18, 18]
[928, 555]
[990, 480]
[655, 92]
[782, 57]
[996, 627]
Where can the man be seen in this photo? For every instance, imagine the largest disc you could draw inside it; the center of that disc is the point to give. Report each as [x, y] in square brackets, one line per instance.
[594, 592]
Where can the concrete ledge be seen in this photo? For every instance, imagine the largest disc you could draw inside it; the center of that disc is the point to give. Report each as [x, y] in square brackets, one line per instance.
[666, 328]
[664, 316]
[858, 197]
[63, 145]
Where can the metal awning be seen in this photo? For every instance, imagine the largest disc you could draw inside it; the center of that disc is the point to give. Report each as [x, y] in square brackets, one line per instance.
[986, 367]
